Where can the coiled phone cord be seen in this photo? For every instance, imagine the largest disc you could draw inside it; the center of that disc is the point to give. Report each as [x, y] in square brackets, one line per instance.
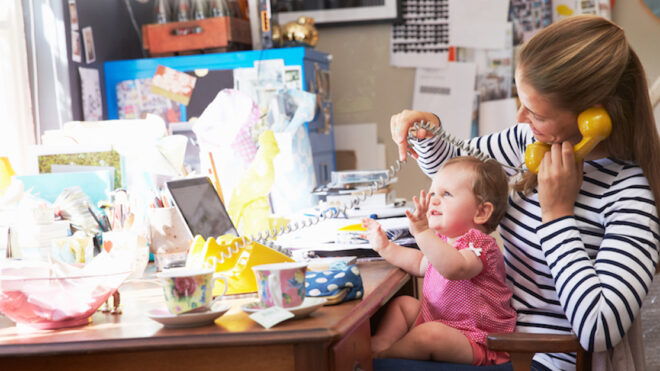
[266, 237]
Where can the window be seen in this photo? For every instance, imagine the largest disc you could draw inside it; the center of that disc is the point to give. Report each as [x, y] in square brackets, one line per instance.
[16, 122]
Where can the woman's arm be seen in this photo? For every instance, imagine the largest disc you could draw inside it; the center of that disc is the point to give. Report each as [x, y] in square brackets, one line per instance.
[507, 147]
[602, 297]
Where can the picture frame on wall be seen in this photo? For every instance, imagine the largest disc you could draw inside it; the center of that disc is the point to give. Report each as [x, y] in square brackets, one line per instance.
[341, 11]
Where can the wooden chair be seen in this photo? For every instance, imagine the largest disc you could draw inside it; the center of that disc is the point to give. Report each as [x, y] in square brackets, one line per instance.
[522, 347]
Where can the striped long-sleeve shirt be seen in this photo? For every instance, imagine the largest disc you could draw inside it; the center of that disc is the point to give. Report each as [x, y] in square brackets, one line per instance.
[587, 273]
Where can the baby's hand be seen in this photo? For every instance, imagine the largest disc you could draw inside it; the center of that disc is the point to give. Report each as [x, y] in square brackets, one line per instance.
[375, 234]
[418, 220]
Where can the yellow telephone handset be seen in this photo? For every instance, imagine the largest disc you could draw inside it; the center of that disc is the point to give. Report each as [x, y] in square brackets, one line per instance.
[594, 124]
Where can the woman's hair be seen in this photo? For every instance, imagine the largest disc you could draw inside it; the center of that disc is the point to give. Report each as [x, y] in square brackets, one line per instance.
[583, 60]
[490, 184]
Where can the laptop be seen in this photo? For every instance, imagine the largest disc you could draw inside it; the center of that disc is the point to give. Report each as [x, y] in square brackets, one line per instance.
[200, 207]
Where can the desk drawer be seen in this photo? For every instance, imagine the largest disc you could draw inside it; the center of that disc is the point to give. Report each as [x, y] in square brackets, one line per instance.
[353, 352]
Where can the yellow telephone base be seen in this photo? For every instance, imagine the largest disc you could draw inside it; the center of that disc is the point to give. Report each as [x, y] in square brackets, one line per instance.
[233, 257]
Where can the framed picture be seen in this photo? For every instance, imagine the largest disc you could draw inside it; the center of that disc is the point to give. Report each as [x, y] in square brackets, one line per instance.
[340, 11]
[88, 40]
[76, 47]
[73, 14]
[45, 158]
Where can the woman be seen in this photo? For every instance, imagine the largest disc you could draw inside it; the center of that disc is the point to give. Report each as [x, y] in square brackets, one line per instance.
[580, 240]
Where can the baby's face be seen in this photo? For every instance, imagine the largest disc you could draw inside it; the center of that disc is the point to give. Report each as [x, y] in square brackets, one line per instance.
[453, 205]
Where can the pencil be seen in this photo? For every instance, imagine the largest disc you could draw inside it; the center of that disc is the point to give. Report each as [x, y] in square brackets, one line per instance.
[216, 181]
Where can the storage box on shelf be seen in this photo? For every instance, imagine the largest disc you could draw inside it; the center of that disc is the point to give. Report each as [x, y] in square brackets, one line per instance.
[210, 34]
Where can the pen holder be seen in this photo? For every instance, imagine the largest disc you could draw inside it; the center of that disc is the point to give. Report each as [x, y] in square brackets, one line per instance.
[131, 244]
[167, 231]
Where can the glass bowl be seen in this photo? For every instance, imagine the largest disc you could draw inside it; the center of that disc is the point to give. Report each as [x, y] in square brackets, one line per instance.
[31, 296]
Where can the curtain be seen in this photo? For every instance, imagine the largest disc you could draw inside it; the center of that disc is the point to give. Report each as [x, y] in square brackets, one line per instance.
[17, 130]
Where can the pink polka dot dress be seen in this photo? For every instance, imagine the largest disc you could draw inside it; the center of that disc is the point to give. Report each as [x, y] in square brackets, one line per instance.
[477, 306]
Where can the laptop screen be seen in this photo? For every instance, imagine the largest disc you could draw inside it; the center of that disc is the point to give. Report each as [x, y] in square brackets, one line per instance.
[201, 208]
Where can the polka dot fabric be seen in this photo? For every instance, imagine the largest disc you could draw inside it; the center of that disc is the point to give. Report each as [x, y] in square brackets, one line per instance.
[476, 306]
[329, 282]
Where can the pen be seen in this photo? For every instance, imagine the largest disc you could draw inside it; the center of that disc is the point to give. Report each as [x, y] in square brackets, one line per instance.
[96, 219]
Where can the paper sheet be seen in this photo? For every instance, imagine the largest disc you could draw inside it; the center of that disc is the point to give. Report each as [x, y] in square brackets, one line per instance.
[421, 39]
[497, 115]
[363, 139]
[495, 69]
[449, 93]
[322, 236]
[566, 8]
[478, 23]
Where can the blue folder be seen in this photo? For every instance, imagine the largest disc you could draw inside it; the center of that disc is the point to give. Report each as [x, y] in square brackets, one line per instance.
[96, 184]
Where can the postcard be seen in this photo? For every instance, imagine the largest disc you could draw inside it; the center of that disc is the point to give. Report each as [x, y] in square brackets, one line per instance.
[175, 85]
[91, 94]
[76, 47]
[73, 14]
[45, 156]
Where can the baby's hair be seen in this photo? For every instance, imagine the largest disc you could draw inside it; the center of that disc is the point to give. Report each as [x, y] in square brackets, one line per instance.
[490, 184]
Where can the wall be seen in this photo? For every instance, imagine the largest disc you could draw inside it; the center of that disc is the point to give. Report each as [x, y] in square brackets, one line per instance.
[365, 88]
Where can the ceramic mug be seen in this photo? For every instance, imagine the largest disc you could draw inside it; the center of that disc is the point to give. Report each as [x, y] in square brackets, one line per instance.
[281, 284]
[128, 242]
[190, 290]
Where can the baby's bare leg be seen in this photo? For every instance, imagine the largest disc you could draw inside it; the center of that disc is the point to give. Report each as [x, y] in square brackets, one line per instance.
[432, 341]
[399, 317]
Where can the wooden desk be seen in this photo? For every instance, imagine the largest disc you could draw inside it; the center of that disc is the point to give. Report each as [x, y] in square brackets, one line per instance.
[332, 338]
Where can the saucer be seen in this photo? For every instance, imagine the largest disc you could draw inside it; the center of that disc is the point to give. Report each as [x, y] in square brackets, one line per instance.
[164, 316]
[308, 306]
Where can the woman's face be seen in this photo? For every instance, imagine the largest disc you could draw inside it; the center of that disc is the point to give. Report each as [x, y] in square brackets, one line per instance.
[548, 123]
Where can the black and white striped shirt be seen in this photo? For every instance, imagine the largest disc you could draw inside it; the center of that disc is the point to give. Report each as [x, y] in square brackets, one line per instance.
[587, 273]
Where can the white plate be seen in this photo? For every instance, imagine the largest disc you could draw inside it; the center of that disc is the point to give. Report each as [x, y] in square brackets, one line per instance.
[170, 320]
[308, 306]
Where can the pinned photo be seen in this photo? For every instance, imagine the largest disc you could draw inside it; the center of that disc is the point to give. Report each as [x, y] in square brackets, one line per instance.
[76, 47]
[88, 39]
[73, 14]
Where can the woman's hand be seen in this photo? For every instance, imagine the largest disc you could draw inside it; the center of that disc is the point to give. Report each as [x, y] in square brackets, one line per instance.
[375, 234]
[418, 220]
[402, 122]
[559, 181]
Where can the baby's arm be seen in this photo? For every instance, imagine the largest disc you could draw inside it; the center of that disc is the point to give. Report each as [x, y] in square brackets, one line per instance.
[410, 260]
[449, 262]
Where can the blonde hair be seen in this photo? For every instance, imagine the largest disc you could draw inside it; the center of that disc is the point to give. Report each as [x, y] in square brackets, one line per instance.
[490, 184]
[585, 60]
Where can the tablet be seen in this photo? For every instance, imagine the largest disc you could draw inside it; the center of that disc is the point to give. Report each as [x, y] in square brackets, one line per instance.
[201, 208]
